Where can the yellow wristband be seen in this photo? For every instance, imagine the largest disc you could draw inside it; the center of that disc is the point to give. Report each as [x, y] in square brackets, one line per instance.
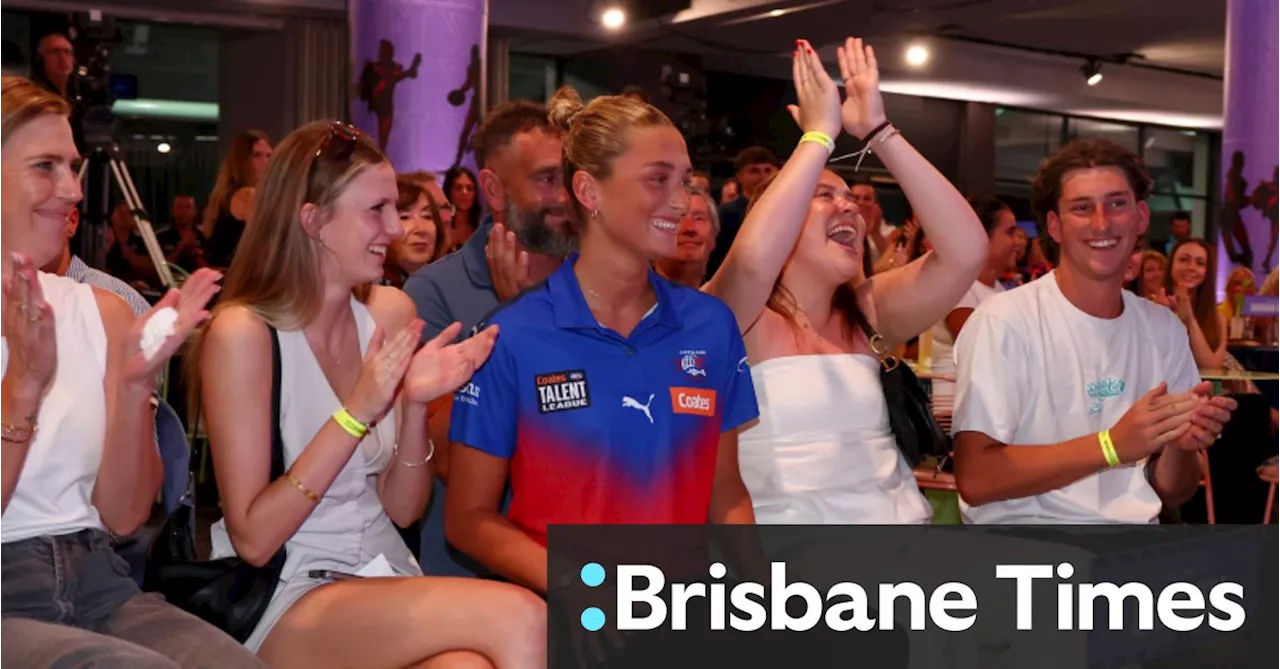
[818, 137]
[1108, 448]
[347, 422]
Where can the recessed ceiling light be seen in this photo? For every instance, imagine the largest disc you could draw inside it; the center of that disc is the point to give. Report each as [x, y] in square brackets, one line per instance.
[613, 18]
[917, 55]
[163, 147]
[777, 12]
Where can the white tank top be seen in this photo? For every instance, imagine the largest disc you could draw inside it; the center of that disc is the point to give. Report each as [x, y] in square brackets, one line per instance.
[823, 451]
[55, 492]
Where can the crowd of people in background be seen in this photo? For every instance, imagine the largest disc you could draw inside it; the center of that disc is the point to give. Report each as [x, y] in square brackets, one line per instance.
[576, 332]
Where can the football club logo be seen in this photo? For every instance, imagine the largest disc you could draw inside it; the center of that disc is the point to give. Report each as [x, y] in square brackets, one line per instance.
[562, 391]
[693, 363]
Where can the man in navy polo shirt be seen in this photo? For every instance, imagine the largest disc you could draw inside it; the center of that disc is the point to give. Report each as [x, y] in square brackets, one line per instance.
[601, 428]
[522, 180]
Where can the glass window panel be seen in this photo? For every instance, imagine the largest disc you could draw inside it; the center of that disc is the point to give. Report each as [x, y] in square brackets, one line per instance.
[1164, 206]
[1086, 128]
[1023, 139]
[528, 77]
[1178, 160]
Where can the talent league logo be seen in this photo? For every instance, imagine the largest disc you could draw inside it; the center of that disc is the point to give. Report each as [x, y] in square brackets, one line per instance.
[693, 363]
[562, 391]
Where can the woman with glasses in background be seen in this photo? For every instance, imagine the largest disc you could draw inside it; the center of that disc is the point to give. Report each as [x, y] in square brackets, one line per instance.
[353, 418]
[425, 235]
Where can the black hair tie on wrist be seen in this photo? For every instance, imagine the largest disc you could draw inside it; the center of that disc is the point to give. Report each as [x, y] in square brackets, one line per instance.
[875, 131]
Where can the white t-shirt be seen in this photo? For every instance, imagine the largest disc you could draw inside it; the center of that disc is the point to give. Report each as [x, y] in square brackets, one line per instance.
[1034, 369]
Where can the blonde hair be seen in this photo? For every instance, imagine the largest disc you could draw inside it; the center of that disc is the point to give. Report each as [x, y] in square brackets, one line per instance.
[1270, 286]
[595, 134]
[235, 173]
[275, 272]
[24, 101]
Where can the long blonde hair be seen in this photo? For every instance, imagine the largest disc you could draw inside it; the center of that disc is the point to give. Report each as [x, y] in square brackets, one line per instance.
[235, 173]
[276, 270]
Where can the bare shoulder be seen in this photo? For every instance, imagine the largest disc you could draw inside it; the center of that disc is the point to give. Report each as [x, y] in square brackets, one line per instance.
[237, 330]
[241, 203]
[865, 296]
[391, 308]
[117, 315]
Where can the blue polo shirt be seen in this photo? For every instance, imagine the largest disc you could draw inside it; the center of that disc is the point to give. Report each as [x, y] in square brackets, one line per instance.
[457, 287]
[601, 428]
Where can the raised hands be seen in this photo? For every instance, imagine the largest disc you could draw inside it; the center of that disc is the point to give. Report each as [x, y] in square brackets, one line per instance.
[383, 369]
[819, 100]
[508, 267]
[184, 310]
[863, 107]
[441, 368]
[29, 331]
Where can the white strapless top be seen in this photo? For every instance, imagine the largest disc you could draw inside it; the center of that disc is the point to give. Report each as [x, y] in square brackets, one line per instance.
[823, 452]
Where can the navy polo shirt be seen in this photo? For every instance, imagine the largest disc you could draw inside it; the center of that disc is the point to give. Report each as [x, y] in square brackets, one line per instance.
[601, 428]
[457, 287]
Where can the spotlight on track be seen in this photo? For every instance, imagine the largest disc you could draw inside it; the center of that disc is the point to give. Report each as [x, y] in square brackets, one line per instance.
[1092, 72]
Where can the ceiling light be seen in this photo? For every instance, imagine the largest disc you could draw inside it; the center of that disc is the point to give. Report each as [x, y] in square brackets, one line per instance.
[777, 12]
[917, 55]
[1092, 73]
[163, 147]
[613, 18]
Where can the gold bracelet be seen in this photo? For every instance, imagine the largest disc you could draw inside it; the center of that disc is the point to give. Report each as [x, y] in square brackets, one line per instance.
[350, 424]
[19, 434]
[302, 488]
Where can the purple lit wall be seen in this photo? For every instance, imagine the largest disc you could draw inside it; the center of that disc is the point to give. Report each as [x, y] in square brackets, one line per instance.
[1250, 148]
[418, 74]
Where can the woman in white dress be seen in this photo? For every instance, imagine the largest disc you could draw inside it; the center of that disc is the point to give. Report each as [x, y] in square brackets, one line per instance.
[353, 417]
[823, 451]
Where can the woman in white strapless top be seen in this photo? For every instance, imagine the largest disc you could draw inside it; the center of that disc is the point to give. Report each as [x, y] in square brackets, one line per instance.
[796, 278]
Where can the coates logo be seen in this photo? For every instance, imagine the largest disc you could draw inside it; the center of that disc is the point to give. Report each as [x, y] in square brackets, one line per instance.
[693, 363]
[693, 401]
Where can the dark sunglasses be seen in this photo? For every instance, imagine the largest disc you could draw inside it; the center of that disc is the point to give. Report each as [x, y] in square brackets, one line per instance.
[338, 143]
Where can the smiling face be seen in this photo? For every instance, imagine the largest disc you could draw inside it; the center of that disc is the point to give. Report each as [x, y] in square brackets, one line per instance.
[1190, 266]
[1152, 275]
[831, 244]
[1096, 222]
[530, 189]
[642, 202]
[41, 161]
[358, 227]
[695, 237]
[417, 245]
[1003, 249]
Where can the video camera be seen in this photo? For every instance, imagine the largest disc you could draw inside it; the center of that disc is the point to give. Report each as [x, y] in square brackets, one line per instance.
[92, 37]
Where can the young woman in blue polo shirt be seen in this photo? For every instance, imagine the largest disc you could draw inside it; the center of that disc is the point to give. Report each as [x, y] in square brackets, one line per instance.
[612, 395]
[823, 451]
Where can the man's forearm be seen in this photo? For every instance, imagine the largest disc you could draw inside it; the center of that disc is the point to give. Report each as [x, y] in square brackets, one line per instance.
[988, 471]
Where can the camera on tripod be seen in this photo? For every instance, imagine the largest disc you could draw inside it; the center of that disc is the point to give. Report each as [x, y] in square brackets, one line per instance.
[92, 36]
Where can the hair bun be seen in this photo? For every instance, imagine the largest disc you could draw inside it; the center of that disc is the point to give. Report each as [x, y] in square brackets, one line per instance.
[564, 107]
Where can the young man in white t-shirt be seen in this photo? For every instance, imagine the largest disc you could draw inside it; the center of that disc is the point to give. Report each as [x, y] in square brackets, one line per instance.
[1077, 402]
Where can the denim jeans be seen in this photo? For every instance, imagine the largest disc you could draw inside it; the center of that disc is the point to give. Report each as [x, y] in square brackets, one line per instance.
[69, 601]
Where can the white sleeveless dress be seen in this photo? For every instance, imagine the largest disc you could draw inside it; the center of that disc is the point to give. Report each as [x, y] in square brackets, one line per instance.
[349, 527]
[54, 495]
[823, 452]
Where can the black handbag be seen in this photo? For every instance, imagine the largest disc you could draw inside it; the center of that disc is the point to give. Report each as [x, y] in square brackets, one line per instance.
[230, 594]
[910, 417]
